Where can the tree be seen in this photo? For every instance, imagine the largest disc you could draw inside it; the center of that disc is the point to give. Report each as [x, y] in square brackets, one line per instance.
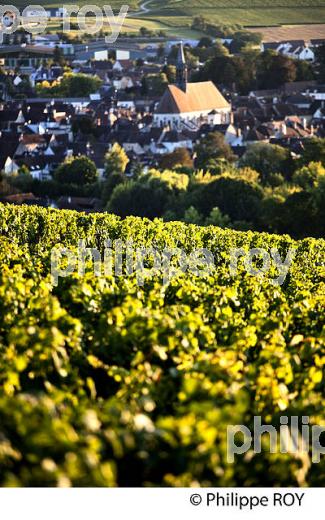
[319, 204]
[154, 84]
[242, 39]
[179, 157]
[84, 124]
[79, 85]
[240, 200]
[58, 57]
[205, 53]
[205, 41]
[24, 170]
[113, 180]
[320, 60]
[274, 70]
[77, 170]
[212, 148]
[76, 85]
[139, 62]
[227, 70]
[116, 160]
[219, 49]
[309, 176]
[192, 216]
[170, 71]
[305, 70]
[139, 198]
[298, 215]
[161, 51]
[216, 218]
[247, 174]
[267, 159]
[175, 181]
[144, 31]
[313, 150]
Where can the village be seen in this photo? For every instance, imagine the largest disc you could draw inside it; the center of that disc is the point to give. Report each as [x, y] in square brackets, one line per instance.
[143, 98]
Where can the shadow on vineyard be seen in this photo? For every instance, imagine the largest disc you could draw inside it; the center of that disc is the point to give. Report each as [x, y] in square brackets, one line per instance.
[105, 383]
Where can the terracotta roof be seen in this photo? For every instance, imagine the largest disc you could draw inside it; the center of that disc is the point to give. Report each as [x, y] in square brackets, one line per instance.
[20, 197]
[197, 97]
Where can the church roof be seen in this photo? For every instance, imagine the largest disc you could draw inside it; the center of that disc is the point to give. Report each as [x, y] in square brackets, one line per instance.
[197, 97]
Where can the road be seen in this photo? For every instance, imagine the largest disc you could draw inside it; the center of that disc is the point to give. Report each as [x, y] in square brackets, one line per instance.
[143, 9]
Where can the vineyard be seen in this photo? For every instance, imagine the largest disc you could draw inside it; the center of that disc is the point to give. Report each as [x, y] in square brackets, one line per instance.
[105, 383]
[173, 14]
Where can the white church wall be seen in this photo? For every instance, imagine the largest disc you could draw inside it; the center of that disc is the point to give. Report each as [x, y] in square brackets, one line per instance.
[222, 116]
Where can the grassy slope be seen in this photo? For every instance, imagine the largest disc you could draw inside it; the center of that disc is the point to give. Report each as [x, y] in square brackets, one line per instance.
[178, 13]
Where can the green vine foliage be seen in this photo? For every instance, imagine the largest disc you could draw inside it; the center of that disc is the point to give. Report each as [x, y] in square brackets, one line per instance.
[105, 383]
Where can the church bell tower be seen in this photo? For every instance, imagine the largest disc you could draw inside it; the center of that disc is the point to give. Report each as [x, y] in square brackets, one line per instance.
[181, 69]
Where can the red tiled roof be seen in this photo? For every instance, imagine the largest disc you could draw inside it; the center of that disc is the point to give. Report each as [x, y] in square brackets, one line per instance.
[197, 97]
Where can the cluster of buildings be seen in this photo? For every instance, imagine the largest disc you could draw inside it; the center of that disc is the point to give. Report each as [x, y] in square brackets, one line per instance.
[304, 50]
[41, 133]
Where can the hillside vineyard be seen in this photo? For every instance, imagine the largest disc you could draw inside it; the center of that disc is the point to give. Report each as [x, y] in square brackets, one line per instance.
[106, 383]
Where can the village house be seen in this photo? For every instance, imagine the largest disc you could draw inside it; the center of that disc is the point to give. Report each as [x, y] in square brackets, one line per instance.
[296, 49]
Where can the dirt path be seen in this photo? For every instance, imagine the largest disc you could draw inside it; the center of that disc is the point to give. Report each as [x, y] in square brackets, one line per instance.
[143, 9]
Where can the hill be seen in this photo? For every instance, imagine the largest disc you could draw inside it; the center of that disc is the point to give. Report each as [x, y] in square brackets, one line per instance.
[107, 381]
[178, 14]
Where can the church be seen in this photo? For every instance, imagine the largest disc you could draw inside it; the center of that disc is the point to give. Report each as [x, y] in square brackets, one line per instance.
[190, 105]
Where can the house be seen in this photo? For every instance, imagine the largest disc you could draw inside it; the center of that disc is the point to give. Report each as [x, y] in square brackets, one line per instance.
[304, 53]
[296, 49]
[169, 141]
[10, 167]
[50, 75]
[86, 204]
[318, 110]
[21, 198]
[46, 39]
[57, 12]
[233, 135]
[317, 42]
[188, 105]
[122, 65]
[25, 57]
[123, 83]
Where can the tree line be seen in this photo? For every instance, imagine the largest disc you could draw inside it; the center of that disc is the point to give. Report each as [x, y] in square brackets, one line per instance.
[265, 190]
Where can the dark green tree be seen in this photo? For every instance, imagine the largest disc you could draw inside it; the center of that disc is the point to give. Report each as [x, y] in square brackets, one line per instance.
[212, 148]
[267, 159]
[274, 70]
[77, 170]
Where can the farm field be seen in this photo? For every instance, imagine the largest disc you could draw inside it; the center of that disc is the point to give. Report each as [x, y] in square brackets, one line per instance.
[132, 26]
[175, 14]
[292, 32]
[170, 27]
[248, 18]
[108, 382]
